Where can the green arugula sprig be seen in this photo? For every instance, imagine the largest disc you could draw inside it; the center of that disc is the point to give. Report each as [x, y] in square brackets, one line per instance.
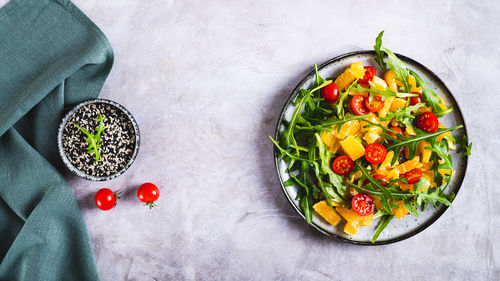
[403, 115]
[94, 140]
[411, 142]
[384, 94]
[327, 124]
[465, 146]
[380, 54]
[403, 75]
[430, 97]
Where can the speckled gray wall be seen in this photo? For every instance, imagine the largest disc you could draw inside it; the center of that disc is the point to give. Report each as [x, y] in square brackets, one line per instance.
[206, 81]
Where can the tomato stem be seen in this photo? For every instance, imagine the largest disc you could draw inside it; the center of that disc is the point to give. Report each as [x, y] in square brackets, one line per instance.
[151, 204]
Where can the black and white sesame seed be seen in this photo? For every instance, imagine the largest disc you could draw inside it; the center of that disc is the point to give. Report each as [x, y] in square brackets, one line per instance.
[118, 139]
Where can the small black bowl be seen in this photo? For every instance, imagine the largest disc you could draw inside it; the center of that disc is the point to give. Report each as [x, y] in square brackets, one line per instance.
[71, 166]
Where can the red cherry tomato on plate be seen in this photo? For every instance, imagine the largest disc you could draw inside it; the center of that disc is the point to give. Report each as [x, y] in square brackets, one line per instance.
[412, 176]
[362, 204]
[148, 193]
[330, 92]
[428, 122]
[343, 165]
[397, 129]
[376, 104]
[358, 105]
[383, 180]
[375, 153]
[105, 199]
[369, 73]
[415, 100]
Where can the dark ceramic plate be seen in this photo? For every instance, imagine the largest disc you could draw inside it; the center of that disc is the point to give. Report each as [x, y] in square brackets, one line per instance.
[64, 123]
[399, 229]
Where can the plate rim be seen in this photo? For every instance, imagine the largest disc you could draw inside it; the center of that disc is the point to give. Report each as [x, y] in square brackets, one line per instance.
[424, 225]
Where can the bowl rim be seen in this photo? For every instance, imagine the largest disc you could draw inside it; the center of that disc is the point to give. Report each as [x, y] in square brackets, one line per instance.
[424, 225]
[65, 159]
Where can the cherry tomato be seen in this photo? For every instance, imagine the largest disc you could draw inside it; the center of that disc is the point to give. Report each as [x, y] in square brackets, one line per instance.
[376, 104]
[148, 193]
[369, 73]
[343, 165]
[375, 153]
[412, 176]
[383, 179]
[415, 100]
[358, 105]
[397, 129]
[362, 204]
[427, 122]
[105, 199]
[330, 92]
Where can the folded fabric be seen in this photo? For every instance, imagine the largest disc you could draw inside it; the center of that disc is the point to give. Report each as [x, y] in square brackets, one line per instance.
[51, 56]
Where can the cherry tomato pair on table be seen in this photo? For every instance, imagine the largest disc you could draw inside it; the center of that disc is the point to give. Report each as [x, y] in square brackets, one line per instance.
[105, 198]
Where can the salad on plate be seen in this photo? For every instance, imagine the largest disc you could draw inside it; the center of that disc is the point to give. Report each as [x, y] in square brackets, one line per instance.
[366, 145]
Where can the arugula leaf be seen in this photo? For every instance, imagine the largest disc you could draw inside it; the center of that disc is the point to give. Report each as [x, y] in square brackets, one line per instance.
[287, 153]
[430, 97]
[441, 150]
[288, 134]
[402, 73]
[464, 145]
[384, 94]
[381, 226]
[318, 80]
[326, 125]
[375, 188]
[403, 115]
[411, 142]
[306, 205]
[422, 182]
[335, 179]
[436, 196]
[380, 55]
[94, 140]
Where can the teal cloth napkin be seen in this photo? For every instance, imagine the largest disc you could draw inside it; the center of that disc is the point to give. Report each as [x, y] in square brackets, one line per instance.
[51, 56]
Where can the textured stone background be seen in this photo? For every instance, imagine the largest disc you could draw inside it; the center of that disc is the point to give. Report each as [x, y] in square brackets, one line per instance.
[206, 81]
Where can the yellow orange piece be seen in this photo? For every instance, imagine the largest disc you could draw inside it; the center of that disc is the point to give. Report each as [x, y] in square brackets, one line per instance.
[379, 83]
[406, 186]
[387, 161]
[409, 132]
[353, 72]
[387, 105]
[401, 211]
[348, 214]
[429, 175]
[425, 154]
[413, 83]
[350, 128]
[353, 148]
[397, 103]
[366, 220]
[331, 141]
[409, 165]
[327, 212]
[390, 79]
[351, 227]
[372, 134]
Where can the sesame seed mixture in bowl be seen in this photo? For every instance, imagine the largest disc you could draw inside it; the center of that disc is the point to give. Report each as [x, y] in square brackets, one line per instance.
[119, 140]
